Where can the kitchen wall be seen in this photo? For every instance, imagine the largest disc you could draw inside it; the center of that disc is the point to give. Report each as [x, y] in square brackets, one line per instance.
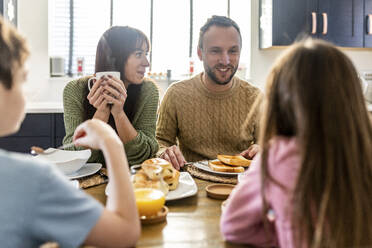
[34, 25]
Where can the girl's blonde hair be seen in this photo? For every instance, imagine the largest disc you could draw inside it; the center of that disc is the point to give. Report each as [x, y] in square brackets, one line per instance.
[314, 95]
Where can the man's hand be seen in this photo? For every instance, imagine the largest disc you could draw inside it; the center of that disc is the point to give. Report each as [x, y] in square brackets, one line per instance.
[174, 156]
[251, 151]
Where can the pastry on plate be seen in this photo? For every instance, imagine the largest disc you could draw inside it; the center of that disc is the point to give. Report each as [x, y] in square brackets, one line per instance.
[141, 180]
[157, 172]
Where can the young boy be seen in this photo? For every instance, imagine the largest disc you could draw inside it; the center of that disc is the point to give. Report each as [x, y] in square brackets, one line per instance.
[38, 204]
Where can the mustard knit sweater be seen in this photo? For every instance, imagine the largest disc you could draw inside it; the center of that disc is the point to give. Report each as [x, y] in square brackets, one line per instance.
[205, 124]
[143, 146]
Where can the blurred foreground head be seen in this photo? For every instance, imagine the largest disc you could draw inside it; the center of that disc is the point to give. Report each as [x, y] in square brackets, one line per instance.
[313, 94]
[13, 52]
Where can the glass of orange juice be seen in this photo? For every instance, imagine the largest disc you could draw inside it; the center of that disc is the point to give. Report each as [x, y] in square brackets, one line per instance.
[149, 201]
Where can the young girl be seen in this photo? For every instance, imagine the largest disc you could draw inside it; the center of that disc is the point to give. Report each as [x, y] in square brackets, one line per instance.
[312, 184]
[38, 204]
[133, 99]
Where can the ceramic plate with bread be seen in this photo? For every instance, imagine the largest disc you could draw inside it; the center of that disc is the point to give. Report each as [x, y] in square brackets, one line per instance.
[175, 184]
[229, 165]
[234, 160]
[156, 173]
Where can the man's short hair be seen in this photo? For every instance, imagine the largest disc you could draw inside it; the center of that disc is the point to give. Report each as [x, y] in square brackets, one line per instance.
[220, 21]
[13, 52]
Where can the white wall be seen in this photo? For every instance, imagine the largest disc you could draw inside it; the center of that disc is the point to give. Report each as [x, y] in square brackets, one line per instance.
[33, 24]
[261, 60]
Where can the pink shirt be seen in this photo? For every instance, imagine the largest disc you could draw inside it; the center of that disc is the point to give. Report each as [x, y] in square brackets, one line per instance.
[242, 219]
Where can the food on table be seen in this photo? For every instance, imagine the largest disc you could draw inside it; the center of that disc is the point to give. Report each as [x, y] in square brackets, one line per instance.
[229, 163]
[158, 174]
[169, 174]
[149, 201]
[141, 180]
[234, 160]
[217, 165]
[36, 150]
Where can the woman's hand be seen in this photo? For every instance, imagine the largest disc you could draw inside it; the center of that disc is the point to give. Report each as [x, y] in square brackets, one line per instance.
[95, 134]
[96, 96]
[116, 94]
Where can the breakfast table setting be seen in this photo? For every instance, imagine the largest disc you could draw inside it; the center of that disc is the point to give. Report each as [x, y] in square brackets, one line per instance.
[190, 222]
[187, 214]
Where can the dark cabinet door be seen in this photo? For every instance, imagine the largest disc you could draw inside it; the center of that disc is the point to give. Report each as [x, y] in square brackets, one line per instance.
[292, 19]
[368, 24]
[36, 125]
[341, 22]
[36, 130]
[60, 129]
[23, 144]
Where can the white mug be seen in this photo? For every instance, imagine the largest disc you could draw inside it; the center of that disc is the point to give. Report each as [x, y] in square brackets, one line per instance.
[115, 74]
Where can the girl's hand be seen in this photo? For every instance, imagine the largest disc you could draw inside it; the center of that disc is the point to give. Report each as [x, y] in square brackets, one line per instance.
[94, 134]
[96, 96]
[116, 94]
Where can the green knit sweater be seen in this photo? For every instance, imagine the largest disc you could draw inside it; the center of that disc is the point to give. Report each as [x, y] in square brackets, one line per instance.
[143, 146]
[204, 123]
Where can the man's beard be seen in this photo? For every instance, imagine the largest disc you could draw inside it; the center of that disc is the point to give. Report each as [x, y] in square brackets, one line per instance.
[214, 78]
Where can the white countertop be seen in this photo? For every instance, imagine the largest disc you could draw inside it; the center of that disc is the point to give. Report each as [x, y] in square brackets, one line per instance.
[44, 107]
[57, 107]
[47, 97]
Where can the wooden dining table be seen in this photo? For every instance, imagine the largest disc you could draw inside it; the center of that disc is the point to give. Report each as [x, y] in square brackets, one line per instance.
[191, 222]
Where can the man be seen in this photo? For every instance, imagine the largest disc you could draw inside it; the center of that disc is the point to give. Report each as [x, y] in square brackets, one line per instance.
[204, 114]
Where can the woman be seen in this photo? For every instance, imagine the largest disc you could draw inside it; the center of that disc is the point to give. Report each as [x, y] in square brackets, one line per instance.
[128, 104]
[38, 203]
[312, 184]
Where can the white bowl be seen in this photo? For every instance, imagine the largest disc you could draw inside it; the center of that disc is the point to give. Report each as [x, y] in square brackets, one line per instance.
[66, 161]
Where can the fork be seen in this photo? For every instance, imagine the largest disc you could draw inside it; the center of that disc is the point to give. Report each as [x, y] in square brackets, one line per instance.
[38, 150]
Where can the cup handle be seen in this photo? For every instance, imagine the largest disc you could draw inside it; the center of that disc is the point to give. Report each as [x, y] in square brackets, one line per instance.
[89, 80]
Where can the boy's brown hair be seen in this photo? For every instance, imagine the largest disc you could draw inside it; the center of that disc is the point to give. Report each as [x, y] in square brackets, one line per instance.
[13, 52]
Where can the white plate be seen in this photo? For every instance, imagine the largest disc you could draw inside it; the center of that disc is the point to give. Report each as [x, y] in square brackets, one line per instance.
[87, 170]
[203, 165]
[186, 188]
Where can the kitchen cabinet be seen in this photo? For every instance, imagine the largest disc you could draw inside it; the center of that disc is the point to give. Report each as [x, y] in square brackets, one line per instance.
[338, 21]
[59, 129]
[282, 21]
[368, 23]
[341, 22]
[43, 130]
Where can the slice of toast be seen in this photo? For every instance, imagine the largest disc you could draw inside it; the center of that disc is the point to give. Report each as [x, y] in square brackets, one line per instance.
[235, 160]
[221, 167]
